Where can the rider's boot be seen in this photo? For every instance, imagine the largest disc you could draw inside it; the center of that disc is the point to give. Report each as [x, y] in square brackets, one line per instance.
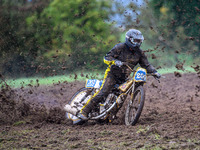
[87, 108]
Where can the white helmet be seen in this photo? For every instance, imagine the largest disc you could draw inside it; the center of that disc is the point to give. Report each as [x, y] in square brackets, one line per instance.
[134, 38]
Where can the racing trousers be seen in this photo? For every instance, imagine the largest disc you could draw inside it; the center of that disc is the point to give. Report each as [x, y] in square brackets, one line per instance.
[108, 84]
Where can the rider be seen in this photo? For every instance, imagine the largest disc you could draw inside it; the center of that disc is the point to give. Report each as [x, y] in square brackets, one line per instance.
[116, 73]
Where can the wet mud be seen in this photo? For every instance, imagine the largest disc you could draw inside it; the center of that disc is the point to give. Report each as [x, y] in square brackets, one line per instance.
[33, 118]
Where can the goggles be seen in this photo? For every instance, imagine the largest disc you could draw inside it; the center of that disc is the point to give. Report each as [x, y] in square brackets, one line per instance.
[135, 40]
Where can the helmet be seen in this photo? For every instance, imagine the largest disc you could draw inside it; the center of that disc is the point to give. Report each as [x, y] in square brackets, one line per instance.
[134, 38]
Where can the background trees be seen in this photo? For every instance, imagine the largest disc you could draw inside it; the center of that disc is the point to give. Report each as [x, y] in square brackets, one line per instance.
[74, 33]
[17, 46]
[46, 37]
[171, 30]
[59, 36]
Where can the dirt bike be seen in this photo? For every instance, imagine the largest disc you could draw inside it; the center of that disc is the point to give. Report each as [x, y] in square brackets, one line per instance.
[106, 111]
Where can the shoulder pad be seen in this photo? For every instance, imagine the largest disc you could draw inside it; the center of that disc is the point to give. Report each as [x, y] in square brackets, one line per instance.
[120, 45]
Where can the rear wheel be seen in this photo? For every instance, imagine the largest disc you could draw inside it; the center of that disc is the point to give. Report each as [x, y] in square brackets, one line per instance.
[135, 106]
[78, 100]
[107, 104]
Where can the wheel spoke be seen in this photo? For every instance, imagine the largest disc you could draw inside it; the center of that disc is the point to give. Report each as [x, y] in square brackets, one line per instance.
[135, 107]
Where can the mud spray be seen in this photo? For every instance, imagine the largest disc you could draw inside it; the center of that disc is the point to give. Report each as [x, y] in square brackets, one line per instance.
[44, 104]
[14, 107]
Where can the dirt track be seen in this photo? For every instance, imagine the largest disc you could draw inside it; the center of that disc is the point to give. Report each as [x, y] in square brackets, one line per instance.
[170, 119]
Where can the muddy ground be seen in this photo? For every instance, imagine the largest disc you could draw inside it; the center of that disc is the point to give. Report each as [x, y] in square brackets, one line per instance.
[32, 118]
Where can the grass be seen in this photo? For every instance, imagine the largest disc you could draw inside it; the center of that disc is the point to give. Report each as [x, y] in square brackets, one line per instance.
[36, 81]
[173, 69]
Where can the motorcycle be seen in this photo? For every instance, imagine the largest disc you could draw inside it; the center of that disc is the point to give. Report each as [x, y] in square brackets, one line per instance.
[106, 111]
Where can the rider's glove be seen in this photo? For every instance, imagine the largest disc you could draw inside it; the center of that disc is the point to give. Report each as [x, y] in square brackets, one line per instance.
[118, 63]
[157, 75]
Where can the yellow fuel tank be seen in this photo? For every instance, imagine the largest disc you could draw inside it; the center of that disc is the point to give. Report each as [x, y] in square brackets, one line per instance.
[124, 87]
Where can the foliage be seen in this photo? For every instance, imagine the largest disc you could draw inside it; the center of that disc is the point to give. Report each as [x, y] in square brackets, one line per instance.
[74, 33]
[59, 36]
[179, 21]
[171, 30]
[50, 37]
[16, 44]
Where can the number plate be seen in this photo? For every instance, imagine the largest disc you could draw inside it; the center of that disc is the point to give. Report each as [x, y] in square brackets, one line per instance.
[140, 75]
[93, 83]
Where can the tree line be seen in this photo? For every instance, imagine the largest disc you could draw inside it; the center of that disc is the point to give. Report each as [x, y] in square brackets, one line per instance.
[59, 36]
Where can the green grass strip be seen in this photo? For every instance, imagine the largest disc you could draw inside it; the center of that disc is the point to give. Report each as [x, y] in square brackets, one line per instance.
[34, 81]
[173, 69]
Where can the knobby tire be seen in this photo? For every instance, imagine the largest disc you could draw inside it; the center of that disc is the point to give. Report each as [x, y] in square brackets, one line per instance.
[135, 117]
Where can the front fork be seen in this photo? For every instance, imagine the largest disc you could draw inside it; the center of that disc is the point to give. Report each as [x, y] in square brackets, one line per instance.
[134, 86]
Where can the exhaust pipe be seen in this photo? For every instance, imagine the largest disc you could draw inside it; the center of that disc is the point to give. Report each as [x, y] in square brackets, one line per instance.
[68, 108]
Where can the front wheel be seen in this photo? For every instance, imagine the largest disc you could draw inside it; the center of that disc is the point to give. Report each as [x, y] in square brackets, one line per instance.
[135, 106]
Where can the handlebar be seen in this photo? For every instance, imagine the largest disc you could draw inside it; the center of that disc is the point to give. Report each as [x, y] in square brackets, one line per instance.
[128, 67]
[149, 74]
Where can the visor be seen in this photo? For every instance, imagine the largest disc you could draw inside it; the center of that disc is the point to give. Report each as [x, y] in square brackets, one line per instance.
[134, 41]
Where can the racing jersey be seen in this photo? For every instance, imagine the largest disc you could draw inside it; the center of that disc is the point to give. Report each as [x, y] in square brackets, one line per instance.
[123, 53]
